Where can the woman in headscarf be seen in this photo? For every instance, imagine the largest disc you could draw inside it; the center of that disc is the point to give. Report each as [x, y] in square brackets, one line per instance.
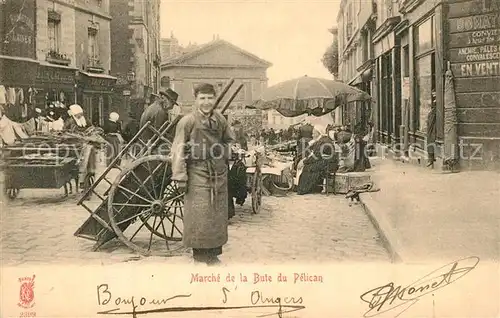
[321, 159]
[112, 130]
[76, 120]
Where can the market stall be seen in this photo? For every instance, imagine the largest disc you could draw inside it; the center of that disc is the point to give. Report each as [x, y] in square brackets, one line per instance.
[50, 161]
[317, 97]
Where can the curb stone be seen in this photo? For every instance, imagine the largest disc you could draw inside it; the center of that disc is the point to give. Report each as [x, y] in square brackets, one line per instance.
[387, 235]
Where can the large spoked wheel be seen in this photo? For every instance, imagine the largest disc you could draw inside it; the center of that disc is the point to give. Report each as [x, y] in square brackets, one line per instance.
[257, 190]
[146, 208]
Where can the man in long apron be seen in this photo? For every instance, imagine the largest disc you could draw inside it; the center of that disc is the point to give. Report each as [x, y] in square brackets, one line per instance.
[201, 148]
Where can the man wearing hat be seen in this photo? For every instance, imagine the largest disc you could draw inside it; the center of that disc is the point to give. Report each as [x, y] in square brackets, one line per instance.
[240, 135]
[157, 112]
[200, 152]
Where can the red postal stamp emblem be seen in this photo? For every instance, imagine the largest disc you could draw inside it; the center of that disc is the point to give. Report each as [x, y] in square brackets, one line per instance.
[27, 292]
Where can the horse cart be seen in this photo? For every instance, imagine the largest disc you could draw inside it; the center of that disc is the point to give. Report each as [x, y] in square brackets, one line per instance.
[141, 205]
[47, 162]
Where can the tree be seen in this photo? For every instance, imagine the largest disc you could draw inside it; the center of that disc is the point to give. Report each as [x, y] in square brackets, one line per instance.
[331, 58]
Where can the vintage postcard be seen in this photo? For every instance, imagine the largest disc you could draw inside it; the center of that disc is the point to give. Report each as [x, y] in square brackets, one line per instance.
[284, 158]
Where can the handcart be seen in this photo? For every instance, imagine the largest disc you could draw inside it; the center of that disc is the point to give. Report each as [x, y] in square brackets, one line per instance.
[39, 162]
[142, 207]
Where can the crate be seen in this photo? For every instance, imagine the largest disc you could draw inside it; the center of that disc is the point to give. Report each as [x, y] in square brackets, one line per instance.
[346, 181]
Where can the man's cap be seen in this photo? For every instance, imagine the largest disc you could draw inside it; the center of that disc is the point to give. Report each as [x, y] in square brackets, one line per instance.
[171, 95]
[204, 88]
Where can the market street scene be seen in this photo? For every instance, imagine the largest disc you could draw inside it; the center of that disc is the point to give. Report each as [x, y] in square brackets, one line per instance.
[128, 133]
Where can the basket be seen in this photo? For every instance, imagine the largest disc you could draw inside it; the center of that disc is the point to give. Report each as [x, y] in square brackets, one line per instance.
[347, 181]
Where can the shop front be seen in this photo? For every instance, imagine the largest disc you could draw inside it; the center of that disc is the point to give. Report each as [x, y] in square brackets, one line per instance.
[386, 74]
[421, 81]
[94, 93]
[55, 83]
[18, 64]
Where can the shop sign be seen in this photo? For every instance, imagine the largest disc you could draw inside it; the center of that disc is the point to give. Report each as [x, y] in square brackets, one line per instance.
[101, 82]
[98, 84]
[126, 93]
[19, 31]
[55, 76]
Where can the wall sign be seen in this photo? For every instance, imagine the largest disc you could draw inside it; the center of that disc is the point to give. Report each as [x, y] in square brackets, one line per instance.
[19, 36]
[479, 69]
[474, 55]
[475, 23]
[475, 39]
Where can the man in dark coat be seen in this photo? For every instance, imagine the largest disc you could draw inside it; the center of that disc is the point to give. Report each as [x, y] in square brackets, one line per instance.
[200, 152]
[157, 112]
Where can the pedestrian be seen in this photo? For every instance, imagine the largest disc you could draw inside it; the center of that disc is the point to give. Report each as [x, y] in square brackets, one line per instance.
[200, 154]
[112, 126]
[157, 112]
[112, 130]
[131, 128]
[240, 135]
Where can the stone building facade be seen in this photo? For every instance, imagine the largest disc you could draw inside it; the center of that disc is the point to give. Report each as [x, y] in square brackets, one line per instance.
[135, 48]
[215, 62]
[355, 22]
[73, 50]
[411, 44]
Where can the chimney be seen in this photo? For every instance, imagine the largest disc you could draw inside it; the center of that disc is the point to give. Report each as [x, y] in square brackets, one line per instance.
[217, 36]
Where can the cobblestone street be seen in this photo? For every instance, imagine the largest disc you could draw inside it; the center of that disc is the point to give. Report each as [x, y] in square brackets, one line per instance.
[38, 228]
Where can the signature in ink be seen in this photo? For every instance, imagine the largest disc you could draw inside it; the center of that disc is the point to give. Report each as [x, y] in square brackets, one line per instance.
[279, 305]
[388, 297]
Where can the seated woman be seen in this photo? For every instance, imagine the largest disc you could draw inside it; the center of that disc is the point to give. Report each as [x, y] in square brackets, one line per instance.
[321, 160]
[361, 162]
[304, 137]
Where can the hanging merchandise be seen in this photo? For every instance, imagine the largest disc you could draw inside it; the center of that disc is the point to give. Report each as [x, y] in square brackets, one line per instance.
[11, 131]
[30, 95]
[20, 96]
[3, 95]
[62, 98]
[11, 96]
[24, 110]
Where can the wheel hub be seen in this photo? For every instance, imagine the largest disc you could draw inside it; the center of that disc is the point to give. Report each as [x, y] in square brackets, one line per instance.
[157, 207]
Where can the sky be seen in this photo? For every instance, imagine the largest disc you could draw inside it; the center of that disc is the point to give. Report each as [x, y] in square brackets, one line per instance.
[291, 34]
